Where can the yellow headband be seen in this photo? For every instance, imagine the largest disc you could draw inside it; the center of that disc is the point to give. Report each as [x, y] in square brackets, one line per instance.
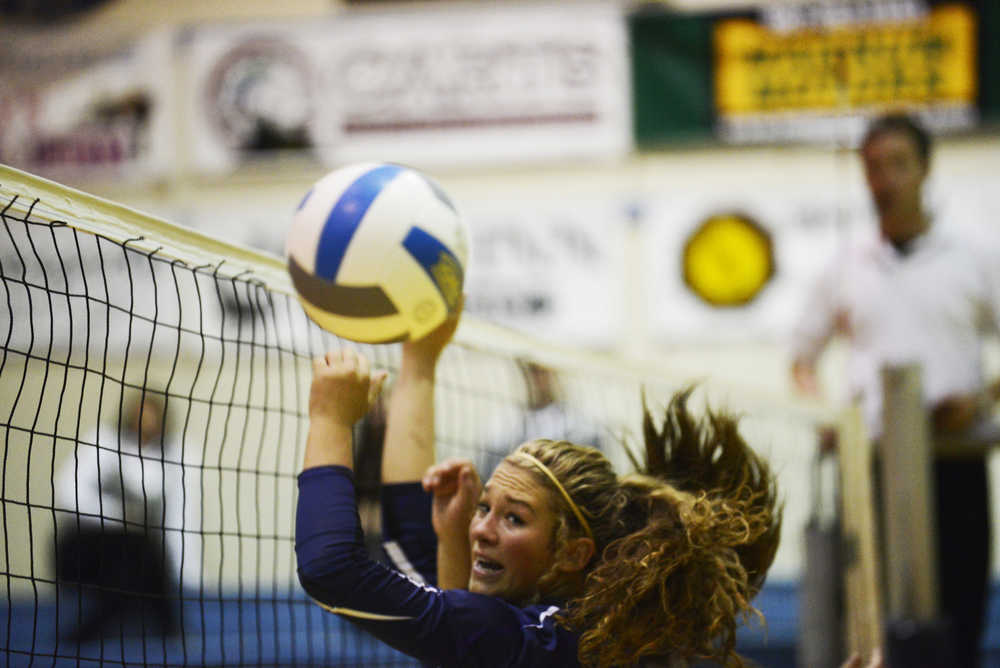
[562, 490]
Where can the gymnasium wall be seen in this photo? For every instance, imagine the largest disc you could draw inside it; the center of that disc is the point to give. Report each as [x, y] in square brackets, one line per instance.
[578, 232]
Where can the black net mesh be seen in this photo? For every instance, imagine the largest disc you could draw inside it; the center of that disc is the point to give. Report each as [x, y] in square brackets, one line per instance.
[152, 422]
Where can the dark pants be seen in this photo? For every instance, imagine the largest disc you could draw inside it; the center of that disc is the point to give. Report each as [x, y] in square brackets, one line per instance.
[121, 580]
[963, 547]
[963, 531]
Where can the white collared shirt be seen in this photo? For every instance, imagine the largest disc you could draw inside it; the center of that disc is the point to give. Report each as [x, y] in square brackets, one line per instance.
[108, 484]
[930, 306]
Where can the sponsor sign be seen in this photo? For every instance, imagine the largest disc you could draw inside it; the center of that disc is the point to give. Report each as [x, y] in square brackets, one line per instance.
[728, 260]
[734, 268]
[549, 269]
[732, 258]
[463, 86]
[108, 120]
[553, 268]
[808, 79]
[252, 92]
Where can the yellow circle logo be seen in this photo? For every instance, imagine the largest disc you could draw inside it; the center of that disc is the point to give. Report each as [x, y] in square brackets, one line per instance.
[728, 260]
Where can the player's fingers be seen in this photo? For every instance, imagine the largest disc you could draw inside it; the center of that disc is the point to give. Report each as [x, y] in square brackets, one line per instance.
[452, 465]
[375, 387]
[434, 469]
[454, 316]
[349, 359]
[428, 479]
[468, 476]
[458, 476]
[468, 483]
[434, 478]
[438, 474]
[853, 662]
[363, 368]
[439, 485]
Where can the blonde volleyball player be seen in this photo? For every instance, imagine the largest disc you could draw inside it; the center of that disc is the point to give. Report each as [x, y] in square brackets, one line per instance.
[555, 561]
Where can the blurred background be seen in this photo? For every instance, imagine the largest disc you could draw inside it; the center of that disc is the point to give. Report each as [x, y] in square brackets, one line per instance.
[586, 143]
[661, 181]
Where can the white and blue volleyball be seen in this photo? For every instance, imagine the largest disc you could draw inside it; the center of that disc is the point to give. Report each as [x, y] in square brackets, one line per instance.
[377, 253]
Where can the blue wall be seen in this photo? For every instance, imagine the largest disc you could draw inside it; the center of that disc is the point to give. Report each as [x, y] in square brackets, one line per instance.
[294, 631]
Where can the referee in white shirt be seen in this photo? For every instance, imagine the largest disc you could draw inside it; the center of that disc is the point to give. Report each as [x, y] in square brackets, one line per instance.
[918, 293]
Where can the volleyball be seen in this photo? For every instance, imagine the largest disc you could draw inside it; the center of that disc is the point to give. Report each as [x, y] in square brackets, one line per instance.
[377, 253]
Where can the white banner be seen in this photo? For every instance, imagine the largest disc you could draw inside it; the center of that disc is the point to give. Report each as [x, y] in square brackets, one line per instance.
[466, 85]
[550, 268]
[806, 224]
[809, 207]
[251, 90]
[109, 120]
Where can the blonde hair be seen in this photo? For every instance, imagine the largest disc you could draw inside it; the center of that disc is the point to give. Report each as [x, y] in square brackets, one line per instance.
[682, 546]
[589, 480]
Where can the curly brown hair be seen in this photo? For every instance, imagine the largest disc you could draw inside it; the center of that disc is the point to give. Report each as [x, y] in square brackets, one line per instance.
[682, 546]
[711, 455]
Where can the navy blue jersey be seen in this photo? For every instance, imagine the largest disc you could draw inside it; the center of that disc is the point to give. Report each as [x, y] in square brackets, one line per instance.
[443, 628]
[408, 539]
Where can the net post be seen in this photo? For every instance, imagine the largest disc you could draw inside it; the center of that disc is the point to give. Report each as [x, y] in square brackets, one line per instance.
[863, 598]
[908, 498]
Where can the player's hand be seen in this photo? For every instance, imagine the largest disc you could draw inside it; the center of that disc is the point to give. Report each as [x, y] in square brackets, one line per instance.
[875, 661]
[828, 439]
[955, 413]
[343, 387]
[456, 487]
[429, 347]
[805, 379]
[993, 391]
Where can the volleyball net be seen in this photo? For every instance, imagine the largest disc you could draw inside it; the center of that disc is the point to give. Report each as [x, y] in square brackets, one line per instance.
[178, 548]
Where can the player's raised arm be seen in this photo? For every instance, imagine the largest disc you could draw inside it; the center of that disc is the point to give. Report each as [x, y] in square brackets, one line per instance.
[343, 388]
[409, 454]
[456, 487]
[409, 433]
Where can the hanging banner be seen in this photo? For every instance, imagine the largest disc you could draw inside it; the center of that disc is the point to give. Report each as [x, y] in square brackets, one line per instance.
[811, 72]
[924, 61]
[552, 269]
[252, 91]
[468, 85]
[802, 83]
[107, 120]
[733, 269]
[732, 258]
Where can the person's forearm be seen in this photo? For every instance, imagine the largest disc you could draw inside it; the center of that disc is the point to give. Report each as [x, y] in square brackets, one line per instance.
[328, 444]
[805, 377]
[409, 434]
[454, 563]
[993, 391]
[343, 389]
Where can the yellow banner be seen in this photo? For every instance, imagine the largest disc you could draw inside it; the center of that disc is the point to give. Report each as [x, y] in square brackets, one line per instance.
[926, 62]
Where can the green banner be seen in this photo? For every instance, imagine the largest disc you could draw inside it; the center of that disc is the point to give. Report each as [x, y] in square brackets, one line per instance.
[671, 77]
[804, 73]
[989, 62]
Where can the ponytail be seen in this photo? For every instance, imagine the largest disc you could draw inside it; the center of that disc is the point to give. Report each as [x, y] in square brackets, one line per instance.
[711, 456]
[699, 529]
